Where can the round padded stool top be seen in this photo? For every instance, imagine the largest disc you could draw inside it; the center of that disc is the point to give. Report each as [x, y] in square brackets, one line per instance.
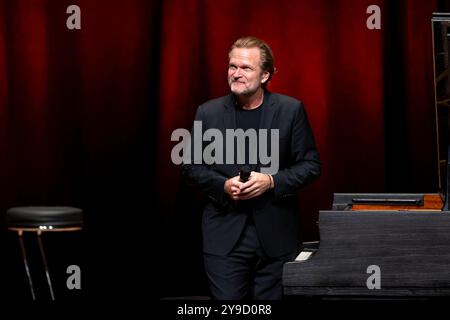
[34, 217]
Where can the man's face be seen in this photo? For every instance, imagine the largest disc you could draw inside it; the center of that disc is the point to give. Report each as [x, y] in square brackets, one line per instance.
[244, 72]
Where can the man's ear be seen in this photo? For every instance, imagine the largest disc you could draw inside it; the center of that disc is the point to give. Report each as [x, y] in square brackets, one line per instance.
[265, 77]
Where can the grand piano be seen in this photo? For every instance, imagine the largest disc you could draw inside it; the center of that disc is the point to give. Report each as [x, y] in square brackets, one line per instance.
[386, 245]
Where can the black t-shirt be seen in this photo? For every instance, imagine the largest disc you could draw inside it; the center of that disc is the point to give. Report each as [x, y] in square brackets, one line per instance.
[249, 119]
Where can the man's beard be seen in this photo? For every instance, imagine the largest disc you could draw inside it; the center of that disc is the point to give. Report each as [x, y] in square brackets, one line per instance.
[244, 92]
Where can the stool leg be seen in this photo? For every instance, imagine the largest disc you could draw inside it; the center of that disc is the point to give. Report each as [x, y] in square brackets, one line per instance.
[44, 260]
[25, 262]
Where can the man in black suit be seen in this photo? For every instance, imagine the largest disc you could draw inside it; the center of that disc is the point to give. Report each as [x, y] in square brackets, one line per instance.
[250, 229]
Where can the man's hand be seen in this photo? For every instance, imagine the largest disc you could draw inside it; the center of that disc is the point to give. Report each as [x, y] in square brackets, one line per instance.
[256, 185]
[233, 187]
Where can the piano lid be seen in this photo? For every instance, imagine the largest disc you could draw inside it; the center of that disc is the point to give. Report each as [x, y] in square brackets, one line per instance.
[440, 24]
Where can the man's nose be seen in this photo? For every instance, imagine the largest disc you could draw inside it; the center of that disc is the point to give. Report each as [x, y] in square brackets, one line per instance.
[237, 73]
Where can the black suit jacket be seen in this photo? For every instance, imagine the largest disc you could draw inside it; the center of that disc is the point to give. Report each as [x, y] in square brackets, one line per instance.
[275, 212]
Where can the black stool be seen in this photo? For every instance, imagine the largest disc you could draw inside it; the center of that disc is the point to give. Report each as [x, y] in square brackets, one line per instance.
[38, 220]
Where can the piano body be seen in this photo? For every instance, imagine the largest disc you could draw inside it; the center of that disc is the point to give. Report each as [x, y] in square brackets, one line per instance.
[386, 245]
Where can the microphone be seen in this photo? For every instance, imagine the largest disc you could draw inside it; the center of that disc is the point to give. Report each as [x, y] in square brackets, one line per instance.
[244, 173]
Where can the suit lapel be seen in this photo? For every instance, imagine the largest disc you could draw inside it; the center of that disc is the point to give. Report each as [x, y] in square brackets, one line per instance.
[268, 111]
[229, 121]
[267, 116]
[229, 117]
